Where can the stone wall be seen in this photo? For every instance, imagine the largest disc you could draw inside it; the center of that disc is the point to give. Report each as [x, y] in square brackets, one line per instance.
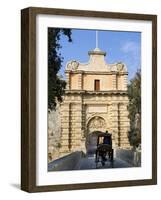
[81, 81]
[69, 162]
[130, 156]
[54, 134]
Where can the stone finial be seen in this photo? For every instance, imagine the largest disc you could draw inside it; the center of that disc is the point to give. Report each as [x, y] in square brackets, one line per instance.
[114, 68]
[118, 67]
[121, 67]
[72, 65]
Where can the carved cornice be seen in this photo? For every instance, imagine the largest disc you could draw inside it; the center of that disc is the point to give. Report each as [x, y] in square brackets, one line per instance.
[96, 72]
[95, 52]
[95, 92]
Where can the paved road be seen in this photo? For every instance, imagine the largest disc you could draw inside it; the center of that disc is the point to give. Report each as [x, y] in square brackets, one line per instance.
[89, 163]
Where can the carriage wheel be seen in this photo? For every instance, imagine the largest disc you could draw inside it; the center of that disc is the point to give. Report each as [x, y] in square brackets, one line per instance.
[103, 163]
[111, 155]
[97, 157]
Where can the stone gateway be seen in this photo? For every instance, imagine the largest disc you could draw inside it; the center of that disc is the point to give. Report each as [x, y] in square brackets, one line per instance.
[95, 99]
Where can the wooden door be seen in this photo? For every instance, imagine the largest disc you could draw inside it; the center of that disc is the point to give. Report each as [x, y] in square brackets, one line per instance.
[97, 85]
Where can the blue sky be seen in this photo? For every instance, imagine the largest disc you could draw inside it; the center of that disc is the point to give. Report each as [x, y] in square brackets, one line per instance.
[119, 46]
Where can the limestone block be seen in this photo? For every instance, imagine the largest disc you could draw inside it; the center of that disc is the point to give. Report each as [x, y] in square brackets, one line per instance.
[74, 105]
[122, 140]
[114, 113]
[76, 129]
[65, 131]
[114, 119]
[73, 117]
[64, 151]
[75, 142]
[123, 123]
[64, 118]
[114, 124]
[124, 114]
[125, 146]
[75, 123]
[65, 136]
[123, 108]
[78, 110]
[64, 142]
[76, 114]
[74, 120]
[114, 128]
[65, 105]
[65, 125]
[64, 114]
[64, 110]
[124, 133]
[123, 118]
[77, 136]
[122, 130]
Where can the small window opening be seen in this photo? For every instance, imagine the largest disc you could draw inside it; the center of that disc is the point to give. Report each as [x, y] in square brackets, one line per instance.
[96, 85]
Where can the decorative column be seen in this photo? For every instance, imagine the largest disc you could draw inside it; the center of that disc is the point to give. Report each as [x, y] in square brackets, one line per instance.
[80, 81]
[65, 129]
[75, 126]
[114, 81]
[83, 128]
[114, 126]
[125, 81]
[124, 126]
[67, 80]
[84, 108]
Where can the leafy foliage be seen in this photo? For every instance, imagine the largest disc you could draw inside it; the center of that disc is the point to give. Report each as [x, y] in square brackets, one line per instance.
[134, 92]
[56, 86]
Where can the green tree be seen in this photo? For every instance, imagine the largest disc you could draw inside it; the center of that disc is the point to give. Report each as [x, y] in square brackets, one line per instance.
[56, 85]
[134, 93]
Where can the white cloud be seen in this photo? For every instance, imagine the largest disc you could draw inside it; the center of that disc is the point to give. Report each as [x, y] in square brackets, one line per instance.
[131, 48]
[132, 56]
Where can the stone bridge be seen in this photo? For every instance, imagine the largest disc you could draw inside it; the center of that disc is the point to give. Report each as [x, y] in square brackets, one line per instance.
[80, 161]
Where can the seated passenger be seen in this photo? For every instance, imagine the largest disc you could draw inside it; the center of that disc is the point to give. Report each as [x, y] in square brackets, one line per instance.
[106, 140]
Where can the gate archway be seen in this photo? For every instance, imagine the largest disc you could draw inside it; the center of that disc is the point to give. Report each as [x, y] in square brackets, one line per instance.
[96, 123]
[95, 126]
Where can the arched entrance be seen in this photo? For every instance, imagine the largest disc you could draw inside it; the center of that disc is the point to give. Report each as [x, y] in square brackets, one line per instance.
[95, 126]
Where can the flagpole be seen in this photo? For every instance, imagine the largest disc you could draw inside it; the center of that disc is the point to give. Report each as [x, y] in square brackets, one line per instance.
[96, 39]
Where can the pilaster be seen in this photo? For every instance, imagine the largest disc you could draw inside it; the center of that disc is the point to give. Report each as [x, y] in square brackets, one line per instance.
[114, 81]
[80, 87]
[125, 82]
[67, 74]
[65, 128]
[75, 126]
[114, 126]
[124, 125]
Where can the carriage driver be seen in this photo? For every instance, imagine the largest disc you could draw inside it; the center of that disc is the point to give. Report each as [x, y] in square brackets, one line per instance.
[106, 139]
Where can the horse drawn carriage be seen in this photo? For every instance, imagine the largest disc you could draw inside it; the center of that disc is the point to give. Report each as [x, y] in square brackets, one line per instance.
[104, 149]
